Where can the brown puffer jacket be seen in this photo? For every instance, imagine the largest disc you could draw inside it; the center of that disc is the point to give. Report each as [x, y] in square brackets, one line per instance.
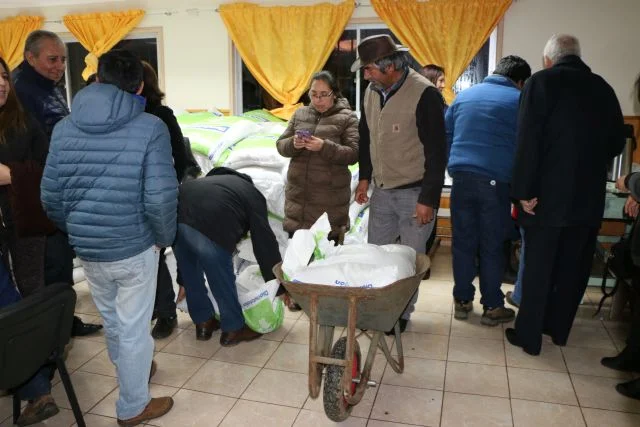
[320, 181]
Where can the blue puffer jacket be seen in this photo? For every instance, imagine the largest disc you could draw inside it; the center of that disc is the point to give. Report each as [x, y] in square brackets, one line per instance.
[481, 129]
[109, 179]
[40, 96]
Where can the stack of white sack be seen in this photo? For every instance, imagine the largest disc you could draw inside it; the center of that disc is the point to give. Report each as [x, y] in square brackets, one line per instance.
[356, 265]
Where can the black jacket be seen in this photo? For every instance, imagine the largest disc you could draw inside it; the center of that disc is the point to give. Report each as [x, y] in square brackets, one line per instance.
[29, 144]
[570, 127]
[181, 159]
[225, 206]
[40, 96]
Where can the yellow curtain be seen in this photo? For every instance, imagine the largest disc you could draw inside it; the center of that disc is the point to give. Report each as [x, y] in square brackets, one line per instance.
[448, 33]
[99, 32]
[283, 46]
[13, 34]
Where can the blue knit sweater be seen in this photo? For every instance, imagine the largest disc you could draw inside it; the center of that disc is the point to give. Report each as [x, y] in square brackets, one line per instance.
[481, 129]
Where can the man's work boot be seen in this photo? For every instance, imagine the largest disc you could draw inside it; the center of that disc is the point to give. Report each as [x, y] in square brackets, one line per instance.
[229, 339]
[38, 410]
[461, 309]
[164, 327]
[205, 329]
[157, 407]
[493, 316]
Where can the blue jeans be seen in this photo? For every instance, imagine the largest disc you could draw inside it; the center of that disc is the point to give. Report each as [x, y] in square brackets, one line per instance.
[479, 214]
[391, 221]
[516, 296]
[37, 386]
[124, 292]
[198, 255]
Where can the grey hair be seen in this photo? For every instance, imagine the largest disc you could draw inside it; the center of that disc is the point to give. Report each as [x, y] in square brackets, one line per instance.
[399, 60]
[34, 41]
[561, 45]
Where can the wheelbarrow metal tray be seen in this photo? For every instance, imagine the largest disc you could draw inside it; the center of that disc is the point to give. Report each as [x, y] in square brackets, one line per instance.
[377, 308]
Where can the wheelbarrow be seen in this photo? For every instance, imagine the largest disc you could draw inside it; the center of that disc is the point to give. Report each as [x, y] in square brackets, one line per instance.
[373, 310]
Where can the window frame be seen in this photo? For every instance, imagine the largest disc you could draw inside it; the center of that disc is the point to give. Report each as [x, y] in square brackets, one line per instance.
[136, 33]
[495, 48]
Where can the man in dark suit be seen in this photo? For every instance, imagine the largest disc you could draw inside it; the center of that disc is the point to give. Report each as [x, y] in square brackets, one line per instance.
[570, 127]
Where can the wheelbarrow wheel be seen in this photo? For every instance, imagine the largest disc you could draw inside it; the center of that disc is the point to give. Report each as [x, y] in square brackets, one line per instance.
[335, 405]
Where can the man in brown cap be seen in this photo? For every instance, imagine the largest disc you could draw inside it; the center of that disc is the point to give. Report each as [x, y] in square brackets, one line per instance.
[402, 148]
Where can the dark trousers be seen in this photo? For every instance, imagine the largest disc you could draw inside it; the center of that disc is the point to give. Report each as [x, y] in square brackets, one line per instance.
[27, 256]
[479, 214]
[557, 266]
[58, 259]
[633, 339]
[198, 255]
[165, 304]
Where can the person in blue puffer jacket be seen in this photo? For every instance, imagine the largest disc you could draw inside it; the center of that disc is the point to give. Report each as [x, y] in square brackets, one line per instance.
[481, 131]
[109, 182]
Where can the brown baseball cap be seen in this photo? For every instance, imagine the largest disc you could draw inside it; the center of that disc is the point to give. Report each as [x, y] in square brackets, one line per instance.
[376, 47]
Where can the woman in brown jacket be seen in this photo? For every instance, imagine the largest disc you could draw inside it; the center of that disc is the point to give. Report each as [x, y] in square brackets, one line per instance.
[322, 141]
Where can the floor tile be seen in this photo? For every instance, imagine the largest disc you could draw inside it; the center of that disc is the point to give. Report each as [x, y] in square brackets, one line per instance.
[85, 305]
[107, 406]
[549, 359]
[195, 409]
[429, 323]
[472, 328]
[254, 353]
[100, 364]
[92, 420]
[89, 389]
[186, 344]
[378, 423]
[223, 378]
[418, 373]
[80, 352]
[472, 378]
[308, 418]
[586, 361]
[174, 370]
[542, 386]
[162, 343]
[590, 338]
[434, 303]
[602, 418]
[299, 333]
[535, 414]
[471, 411]
[278, 387]
[290, 357]
[407, 405]
[280, 333]
[184, 320]
[6, 407]
[426, 346]
[476, 350]
[437, 287]
[251, 414]
[295, 315]
[599, 393]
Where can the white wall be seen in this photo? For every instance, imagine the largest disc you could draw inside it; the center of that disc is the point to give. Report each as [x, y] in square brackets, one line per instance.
[608, 30]
[197, 57]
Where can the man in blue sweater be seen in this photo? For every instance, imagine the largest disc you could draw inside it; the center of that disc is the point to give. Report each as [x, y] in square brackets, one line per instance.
[109, 182]
[481, 132]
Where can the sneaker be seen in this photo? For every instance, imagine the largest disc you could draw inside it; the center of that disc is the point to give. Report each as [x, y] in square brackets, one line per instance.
[38, 410]
[510, 300]
[462, 309]
[157, 407]
[493, 316]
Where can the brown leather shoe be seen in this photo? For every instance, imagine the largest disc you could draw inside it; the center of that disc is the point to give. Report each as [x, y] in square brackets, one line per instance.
[204, 330]
[229, 339]
[157, 407]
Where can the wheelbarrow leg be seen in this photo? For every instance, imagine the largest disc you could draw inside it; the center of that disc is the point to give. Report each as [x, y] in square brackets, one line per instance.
[315, 369]
[351, 338]
[396, 364]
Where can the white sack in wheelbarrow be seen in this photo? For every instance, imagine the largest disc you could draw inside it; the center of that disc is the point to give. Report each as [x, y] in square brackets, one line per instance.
[362, 265]
[263, 311]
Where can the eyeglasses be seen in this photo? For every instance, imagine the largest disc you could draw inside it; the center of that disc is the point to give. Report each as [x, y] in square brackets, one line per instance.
[320, 95]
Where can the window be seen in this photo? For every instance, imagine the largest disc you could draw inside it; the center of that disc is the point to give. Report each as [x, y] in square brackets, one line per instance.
[249, 95]
[145, 46]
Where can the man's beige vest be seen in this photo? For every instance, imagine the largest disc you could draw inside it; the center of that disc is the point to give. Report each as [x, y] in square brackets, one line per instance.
[397, 155]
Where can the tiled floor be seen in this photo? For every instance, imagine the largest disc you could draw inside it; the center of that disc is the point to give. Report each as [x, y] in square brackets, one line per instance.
[457, 374]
